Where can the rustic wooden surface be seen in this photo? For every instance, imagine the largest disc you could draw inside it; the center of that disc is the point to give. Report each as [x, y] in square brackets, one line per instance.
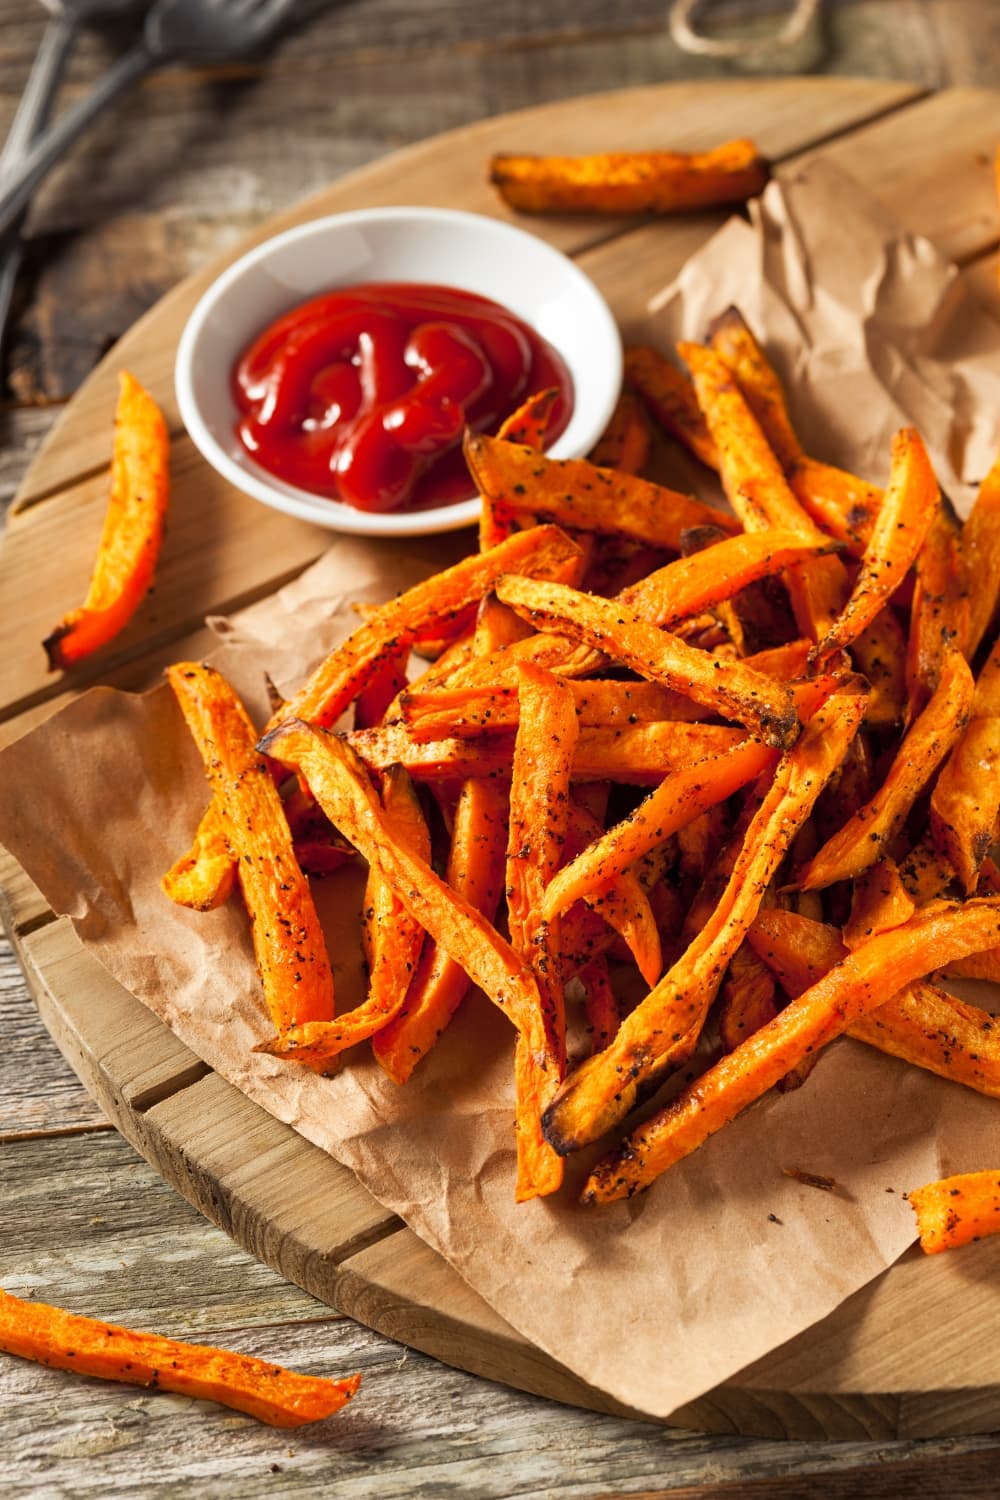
[82, 1219]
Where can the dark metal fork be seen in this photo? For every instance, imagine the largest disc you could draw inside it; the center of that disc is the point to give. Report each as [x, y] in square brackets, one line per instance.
[33, 112]
[175, 30]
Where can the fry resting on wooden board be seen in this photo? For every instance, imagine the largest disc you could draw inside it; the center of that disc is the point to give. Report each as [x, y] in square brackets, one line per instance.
[66, 1341]
[631, 182]
[129, 547]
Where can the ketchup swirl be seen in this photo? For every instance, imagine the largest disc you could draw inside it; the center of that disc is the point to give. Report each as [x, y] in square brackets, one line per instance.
[363, 394]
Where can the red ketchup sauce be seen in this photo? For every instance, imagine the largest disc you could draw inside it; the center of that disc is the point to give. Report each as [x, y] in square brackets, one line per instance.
[363, 394]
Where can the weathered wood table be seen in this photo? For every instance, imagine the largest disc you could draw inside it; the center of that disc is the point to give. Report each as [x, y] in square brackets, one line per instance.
[179, 172]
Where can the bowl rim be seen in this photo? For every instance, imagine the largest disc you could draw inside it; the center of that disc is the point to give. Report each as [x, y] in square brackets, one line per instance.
[334, 515]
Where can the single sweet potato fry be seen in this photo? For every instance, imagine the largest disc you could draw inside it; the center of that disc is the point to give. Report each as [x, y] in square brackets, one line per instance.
[624, 444]
[203, 878]
[575, 493]
[288, 940]
[957, 1210]
[747, 999]
[981, 554]
[664, 1028]
[670, 400]
[898, 534]
[525, 426]
[879, 653]
[965, 801]
[728, 688]
[841, 504]
[630, 182]
[869, 832]
[939, 618]
[133, 530]
[539, 810]
[885, 964]
[601, 1005]
[65, 1341]
[757, 489]
[879, 902]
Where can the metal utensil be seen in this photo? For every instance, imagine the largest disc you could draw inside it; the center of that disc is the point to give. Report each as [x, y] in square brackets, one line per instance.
[33, 112]
[175, 30]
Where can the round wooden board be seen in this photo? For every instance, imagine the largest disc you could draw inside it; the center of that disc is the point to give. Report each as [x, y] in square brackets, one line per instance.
[903, 1357]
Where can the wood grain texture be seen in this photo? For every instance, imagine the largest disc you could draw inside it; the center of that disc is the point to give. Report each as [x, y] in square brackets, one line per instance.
[561, 1451]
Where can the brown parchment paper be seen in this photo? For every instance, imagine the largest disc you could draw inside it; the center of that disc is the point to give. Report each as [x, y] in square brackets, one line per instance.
[657, 1300]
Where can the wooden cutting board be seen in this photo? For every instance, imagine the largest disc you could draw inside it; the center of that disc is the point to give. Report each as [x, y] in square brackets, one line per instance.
[910, 1355]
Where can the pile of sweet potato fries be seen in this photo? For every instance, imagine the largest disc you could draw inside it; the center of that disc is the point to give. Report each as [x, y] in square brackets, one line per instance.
[749, 760]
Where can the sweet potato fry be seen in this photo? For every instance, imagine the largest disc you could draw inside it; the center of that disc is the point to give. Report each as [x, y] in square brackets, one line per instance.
[600, 704]
[757, 489]
[885, 964]
[879, 653]
[670, 400]
[133, 530]
[922, 1024]
[902, 524]
[939, 618]
[880, 901]
[65, 1341]
[926, 872]
[341, 786]
[383, 690]
[624, 444]
[421, 611]
[956, 1210]
[839, 503]
[288, 940]
[981, 554]
[475, 872]
[203, 878]
[528, 424]
[966, 798]
[601, 1005]
[573, 492]
[728, 688]
[525, 426]
[630, 182]
[621, 901]
[638, 755]
[664, 598]
[747, 1000]
[679, 798]
[665, 1026]
[866, 836]
[539, 807]
[392, 941]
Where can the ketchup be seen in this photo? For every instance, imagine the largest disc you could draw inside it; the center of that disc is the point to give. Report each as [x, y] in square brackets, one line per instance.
[363, 394]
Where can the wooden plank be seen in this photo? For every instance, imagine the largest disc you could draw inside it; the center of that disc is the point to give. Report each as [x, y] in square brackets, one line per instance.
[243, 1168]
[971, 1475]
[449, 170]
[38, 1091]
[932, 165]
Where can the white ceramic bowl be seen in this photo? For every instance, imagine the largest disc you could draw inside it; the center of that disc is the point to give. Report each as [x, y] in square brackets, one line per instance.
[468, 251]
